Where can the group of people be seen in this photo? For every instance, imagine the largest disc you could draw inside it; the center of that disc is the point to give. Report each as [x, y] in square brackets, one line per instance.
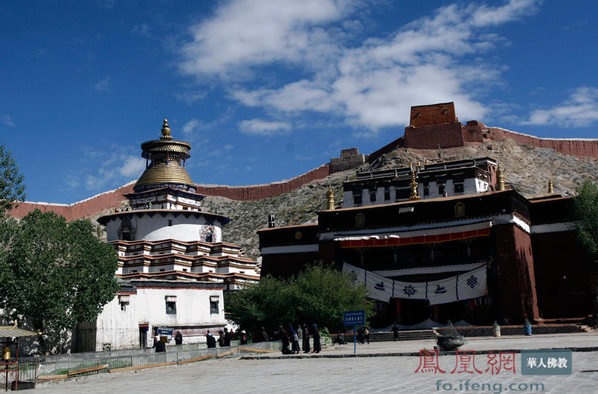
[292, 337]
[224, 338]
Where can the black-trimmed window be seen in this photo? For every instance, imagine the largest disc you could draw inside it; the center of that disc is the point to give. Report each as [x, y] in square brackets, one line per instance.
[171, 305]
[214, 305]
[372, 195]
[386, 193]
[357, 200]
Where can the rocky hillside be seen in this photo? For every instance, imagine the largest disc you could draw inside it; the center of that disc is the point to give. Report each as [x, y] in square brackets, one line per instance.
[527, 169]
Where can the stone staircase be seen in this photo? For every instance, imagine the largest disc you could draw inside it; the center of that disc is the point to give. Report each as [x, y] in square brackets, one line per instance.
[404, 335]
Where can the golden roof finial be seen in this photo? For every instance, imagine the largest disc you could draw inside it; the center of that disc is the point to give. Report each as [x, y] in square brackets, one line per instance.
[330, 195]
[414, 195]
[500, 178]
[550, 186]
[166, 130]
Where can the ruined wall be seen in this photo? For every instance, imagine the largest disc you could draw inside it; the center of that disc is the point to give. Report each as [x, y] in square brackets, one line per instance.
[429, 137]
[259, 192]
[79, 209]
[433, 114]
[454, 135]
[575, 147]
[113, 199]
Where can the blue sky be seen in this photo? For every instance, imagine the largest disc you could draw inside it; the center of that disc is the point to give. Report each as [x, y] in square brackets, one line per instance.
[266, 90]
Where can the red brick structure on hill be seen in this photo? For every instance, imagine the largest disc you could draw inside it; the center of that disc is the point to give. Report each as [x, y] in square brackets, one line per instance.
[431, 127]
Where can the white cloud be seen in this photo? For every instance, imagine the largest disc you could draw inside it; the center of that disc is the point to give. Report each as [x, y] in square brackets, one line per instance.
[191, 126]
[189, 97]
[104, 85]
[368, 83]
[132, 167]
[254, 32]
[579, 110]
[116, 169]
[7, 120]
[264, 128]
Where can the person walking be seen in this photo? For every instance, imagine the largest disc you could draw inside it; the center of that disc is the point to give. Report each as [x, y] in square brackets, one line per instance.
[305, 339]
[178, 338]
[300, 335]
[159, 345]
[210, 340]
[395, 332]
[295, 339]
[227, 337]
[316, 334]
[366, 332]
[284, 337]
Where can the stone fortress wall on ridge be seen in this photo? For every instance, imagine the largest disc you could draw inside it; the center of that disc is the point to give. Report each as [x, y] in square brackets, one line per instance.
[431, 127]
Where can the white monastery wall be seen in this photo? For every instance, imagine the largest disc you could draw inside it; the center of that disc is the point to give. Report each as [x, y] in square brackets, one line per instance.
[158, 227]
[120, 328]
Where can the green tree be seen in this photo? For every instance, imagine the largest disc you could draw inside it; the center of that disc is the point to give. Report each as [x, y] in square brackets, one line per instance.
[585, 208]
[317, 295]
[266, 304]
[11, 181]
[585, 212]
[321, 295]
[57, 274]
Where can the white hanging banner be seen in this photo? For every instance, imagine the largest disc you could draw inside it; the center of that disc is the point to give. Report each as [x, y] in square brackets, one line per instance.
[442, 291]
[469, 285]
[357, 274]
[410, 290]
[378, 287]
[472, 284]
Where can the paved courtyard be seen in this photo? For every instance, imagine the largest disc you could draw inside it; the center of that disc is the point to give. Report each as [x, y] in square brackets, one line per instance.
[375, 373]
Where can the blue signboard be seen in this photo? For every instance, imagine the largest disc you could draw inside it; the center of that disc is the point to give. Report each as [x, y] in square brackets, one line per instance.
[354, 318]
[164, 332]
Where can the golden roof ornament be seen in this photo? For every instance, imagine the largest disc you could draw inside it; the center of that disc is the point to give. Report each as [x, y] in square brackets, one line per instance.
[550, 186]
[165, 161]
[500, 178]
[414, 195]
[166, 130]
[330, 195]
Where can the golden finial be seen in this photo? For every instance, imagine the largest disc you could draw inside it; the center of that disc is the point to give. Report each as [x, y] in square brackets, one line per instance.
[414, 195]
[330, 195]
[427, 162]
[550, 186]
[500, 178]
[165, 130]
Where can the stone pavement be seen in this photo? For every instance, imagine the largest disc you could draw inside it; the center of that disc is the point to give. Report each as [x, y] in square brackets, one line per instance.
[376, 373]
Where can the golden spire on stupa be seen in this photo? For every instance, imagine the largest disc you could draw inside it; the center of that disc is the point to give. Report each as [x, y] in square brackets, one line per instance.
[165, 131]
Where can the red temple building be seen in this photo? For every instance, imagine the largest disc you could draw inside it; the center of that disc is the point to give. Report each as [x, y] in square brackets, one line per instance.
[445, 241]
